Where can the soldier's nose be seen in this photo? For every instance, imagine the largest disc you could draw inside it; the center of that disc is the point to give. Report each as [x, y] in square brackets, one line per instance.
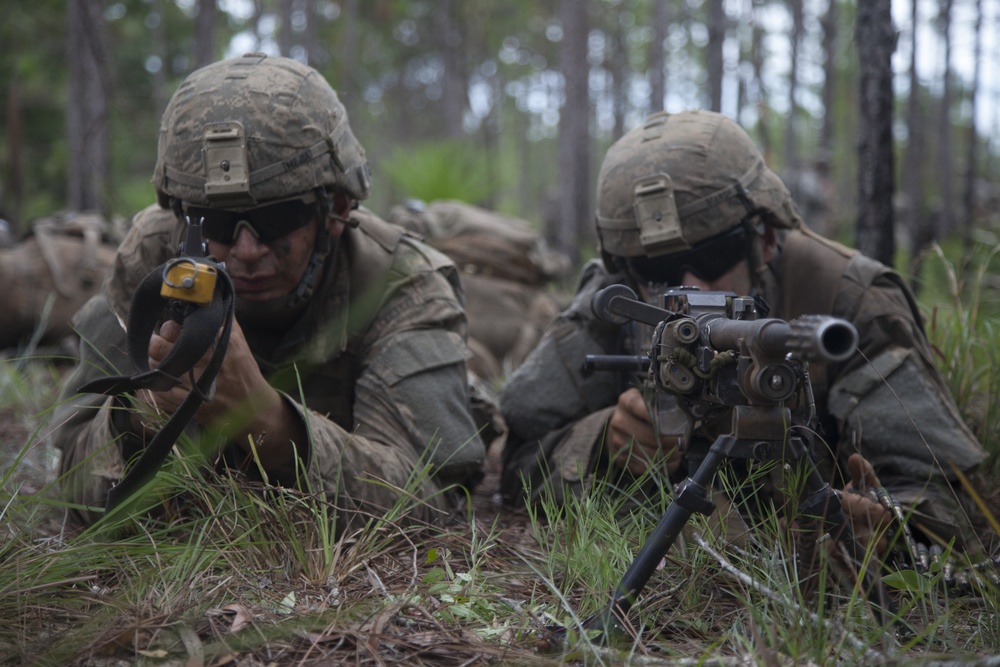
[247, 246]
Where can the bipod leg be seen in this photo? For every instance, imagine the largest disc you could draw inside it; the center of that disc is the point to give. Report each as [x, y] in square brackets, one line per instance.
[823, 502]
[693, 495]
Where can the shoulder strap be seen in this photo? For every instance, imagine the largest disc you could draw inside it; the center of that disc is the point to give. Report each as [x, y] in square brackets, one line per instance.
[805, 253]
[824, 262]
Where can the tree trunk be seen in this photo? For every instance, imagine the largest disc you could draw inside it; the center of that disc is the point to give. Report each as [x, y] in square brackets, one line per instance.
[969, 207]
[87, 114]
[204, 33]
[791, 153]
[310, 44]
[453, 84]
[826, 220]
[160, 94]
[920, 233]
[349, 86]
[716, 63]
[12, 200]
[763, 109]
[875, 41]
[829, 25]
[285, 38]
[620, 72]
[657, 57]
[258, 16]
[946, 154]
[574, 135]
[744, 79]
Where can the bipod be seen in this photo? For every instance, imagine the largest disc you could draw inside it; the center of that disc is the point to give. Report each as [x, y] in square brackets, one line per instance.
[694, 495]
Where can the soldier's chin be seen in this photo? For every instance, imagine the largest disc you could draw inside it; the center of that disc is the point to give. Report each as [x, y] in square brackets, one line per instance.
[257, 296]
[267, 313]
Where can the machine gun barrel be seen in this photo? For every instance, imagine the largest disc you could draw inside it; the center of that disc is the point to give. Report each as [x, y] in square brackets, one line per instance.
[615, 362]
[819, 338]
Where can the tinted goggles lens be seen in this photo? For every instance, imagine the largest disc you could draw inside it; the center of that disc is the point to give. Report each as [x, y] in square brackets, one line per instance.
[268, 223]
[708, 260]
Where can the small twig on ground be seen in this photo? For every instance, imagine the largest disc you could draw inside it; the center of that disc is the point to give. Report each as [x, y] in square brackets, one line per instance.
[871, 656]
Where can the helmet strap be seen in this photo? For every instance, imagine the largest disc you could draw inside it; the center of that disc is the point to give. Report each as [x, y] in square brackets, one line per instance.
[321, 250]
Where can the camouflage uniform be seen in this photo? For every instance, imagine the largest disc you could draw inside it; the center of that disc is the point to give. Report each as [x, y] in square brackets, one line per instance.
[505, 269]
[379, 351]
[888, 402]
[62, 262]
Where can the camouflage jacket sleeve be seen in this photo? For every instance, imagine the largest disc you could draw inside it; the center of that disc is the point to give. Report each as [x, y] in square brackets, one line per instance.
[412, 422]
[92, 459]
[556, 412]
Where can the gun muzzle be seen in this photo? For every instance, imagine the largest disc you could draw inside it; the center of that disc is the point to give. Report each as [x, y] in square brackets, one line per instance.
[819, 338]
[822, 338]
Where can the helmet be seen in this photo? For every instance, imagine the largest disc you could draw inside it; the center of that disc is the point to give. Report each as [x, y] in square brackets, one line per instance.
[247, 130]
[679, 179]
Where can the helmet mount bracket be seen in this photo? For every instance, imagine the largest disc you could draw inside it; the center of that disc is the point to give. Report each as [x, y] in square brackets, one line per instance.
[227, 176]
[656, 214]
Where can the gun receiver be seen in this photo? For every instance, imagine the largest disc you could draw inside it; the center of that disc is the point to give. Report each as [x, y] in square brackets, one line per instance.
[699, 334]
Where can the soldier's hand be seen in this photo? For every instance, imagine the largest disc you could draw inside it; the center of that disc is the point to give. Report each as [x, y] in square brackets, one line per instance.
[631, 439]
[870, 521]
[239, 386]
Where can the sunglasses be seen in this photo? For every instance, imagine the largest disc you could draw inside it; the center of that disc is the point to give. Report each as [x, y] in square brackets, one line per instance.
[267, 223]
[708, 260]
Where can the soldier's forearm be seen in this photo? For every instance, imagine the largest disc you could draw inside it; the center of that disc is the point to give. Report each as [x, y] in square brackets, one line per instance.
[276, 437]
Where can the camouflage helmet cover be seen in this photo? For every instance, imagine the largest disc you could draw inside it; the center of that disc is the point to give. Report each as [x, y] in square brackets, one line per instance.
[679, 179]
[247, 130]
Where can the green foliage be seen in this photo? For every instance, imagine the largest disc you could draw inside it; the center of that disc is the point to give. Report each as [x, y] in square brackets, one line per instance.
[439, 170]
[964, 327]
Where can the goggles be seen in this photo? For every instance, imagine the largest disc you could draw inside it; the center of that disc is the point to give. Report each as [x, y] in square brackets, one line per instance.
[708, 260]
[267, 223]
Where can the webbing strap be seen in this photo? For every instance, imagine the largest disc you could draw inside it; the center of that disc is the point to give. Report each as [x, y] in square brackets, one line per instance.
[199, 329]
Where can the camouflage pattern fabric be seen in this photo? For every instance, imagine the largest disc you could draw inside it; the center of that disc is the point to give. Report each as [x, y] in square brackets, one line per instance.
[888, 402]
[505, 268]
[294, 131]
[379, 353]
[679, 179]
[50, 274]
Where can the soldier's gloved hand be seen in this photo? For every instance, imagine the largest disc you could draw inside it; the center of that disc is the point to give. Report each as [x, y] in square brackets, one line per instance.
[859, 503]
[631, 439]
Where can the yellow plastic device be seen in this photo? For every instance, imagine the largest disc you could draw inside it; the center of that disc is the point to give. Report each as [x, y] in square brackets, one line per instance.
[189, 280]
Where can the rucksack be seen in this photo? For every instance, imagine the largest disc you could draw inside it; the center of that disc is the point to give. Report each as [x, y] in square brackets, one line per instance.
[483, 242]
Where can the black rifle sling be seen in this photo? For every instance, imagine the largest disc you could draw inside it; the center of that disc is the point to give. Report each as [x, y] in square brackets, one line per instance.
[200, 326]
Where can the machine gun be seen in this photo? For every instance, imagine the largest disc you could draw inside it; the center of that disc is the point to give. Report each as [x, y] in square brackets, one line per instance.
[745, 381]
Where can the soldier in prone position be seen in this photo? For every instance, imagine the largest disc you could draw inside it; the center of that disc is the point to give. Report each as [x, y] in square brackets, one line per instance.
[686, 199]
[327, 295]
[51, 273]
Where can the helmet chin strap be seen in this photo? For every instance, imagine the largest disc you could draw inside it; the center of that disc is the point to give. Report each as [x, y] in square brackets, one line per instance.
[278, 312]
[758, 268]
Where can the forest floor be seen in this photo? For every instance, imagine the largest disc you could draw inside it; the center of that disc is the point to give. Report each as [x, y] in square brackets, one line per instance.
[493, 586]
